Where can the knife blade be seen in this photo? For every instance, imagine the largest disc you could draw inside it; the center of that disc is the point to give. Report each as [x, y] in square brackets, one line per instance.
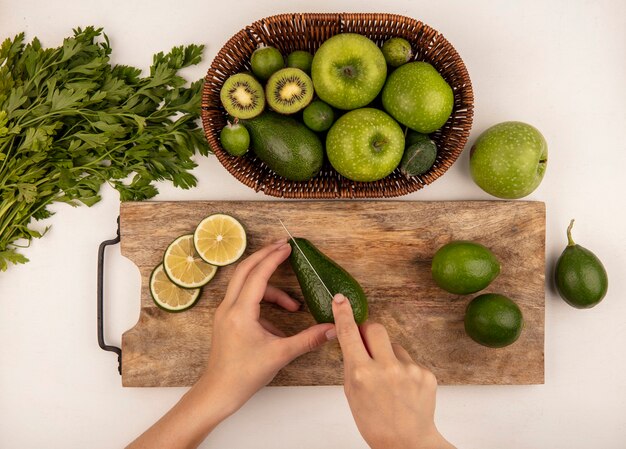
[305, 257]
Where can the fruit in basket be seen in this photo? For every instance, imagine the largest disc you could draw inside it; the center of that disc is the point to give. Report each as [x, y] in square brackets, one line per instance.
[462, 267]
[417, 96]
[242, 96]
[509, 160]
[580, 277]
[265, 61]
[365, 144]
[286, 145]
[235, 139]
[300, 59]
[493, 320]
[318, 116]
[220, 239]
[418, 157]
[397, 51]
[308, 263]
[348, 71]
[289, 90]
[414, 137]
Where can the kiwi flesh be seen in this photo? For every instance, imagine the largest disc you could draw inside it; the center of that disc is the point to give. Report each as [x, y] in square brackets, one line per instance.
[242, 96]
[289, 90]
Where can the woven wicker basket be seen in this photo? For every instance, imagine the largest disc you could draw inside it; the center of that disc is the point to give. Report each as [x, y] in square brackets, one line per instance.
[289, 32]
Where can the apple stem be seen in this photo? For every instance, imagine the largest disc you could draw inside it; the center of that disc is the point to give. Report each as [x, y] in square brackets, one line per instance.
[570, 241]
[378, 144]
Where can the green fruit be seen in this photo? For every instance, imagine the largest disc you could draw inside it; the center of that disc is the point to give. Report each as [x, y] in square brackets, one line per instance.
[169, 296]
[242, 96]
[235, 139]
[580, 277]
[397, 51]
[464, 267]
[286, 146]
[348, 71]
[417, 96]
[306, 260]
[365, 145]
[509, 160]
[493, 320]
[318, 116]
[289, 90]
[418, 158]
[265, 61]
[300, 60]
[415, 137]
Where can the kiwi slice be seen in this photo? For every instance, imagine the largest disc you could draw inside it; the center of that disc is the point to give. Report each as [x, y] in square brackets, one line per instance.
[242, 96]
[289, 90]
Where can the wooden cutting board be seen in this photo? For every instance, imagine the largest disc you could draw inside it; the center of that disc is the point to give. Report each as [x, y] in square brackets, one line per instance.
[387, 246]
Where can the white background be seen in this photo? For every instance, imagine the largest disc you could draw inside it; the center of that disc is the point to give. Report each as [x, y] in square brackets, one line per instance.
[558, 65]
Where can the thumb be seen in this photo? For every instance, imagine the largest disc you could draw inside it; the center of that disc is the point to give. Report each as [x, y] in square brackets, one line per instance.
[308, 340]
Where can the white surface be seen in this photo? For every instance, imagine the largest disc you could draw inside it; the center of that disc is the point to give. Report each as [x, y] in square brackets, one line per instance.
[558, 65]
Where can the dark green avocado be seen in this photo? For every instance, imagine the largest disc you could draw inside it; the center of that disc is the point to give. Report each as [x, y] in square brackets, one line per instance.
[286, 146]
[580, 276]
[334, 277]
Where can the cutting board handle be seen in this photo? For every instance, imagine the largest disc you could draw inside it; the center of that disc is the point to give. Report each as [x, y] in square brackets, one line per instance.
[100, 294]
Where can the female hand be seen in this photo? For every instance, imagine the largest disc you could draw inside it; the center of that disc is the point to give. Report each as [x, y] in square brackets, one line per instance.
[391, 397]
[247, 351]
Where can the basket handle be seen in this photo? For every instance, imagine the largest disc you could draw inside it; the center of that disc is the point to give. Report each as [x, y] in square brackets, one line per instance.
[100, 295]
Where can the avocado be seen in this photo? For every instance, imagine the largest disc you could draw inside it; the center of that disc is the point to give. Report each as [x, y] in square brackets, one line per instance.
[418, 158]
[580, 277]
[286, 146]
[332, 275]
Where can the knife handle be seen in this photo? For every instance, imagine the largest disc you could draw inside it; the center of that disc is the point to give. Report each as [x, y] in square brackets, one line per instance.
[100, 294]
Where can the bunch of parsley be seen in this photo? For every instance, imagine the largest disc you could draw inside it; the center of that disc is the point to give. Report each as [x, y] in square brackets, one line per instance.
[70, 121]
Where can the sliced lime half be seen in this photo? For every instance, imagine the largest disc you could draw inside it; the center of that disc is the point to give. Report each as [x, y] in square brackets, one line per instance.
[168, 295]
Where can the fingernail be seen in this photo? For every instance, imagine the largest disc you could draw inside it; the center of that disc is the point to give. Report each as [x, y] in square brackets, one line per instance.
[283, 246]
[331, 334]
[339, 298]
[280, 241]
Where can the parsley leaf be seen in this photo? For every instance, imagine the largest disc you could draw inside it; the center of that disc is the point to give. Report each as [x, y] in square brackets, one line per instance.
[71, 121]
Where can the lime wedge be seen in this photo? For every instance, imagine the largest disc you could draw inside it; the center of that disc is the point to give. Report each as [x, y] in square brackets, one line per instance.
[183, 265]
[168, 295]
[220, 239]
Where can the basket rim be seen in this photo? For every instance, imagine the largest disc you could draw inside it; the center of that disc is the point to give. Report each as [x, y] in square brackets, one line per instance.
[260, 178]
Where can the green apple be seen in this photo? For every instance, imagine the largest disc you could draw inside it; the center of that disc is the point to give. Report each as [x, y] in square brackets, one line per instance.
[365, 144]
[348, 71]
[509, 160]
[417, 96]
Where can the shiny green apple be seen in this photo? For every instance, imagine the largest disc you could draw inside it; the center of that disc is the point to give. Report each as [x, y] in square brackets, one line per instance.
[365, 144]
[348, 71]
[509, 160]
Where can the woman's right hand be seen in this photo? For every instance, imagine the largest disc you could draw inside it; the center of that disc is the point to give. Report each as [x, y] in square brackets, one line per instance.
[391, 397]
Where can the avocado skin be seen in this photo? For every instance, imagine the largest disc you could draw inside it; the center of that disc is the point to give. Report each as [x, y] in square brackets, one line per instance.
[286, 146]
[334, 277]
[580, 277]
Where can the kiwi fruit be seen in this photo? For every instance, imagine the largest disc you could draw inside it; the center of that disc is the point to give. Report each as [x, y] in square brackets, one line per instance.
[289, 90]
[242, 96]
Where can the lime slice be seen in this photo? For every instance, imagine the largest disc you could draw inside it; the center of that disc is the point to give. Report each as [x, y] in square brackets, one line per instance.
[168, 295]
[220, 239]
[183, 265]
